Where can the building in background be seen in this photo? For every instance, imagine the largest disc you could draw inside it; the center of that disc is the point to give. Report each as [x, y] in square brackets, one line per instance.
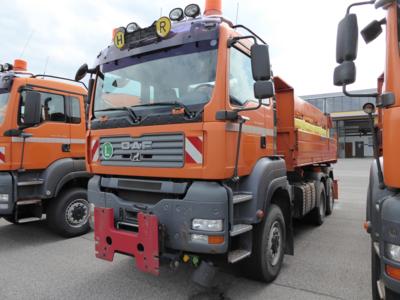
[350, 122]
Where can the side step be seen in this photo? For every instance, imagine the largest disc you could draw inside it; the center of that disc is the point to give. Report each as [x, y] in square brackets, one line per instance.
[239, 198]
[240, 228]
[237, 255]
[31, 182]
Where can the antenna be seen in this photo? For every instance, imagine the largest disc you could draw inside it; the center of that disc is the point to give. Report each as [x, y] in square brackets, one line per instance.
[27, 43]
[45, 65]
[161, 12]
[237, 12]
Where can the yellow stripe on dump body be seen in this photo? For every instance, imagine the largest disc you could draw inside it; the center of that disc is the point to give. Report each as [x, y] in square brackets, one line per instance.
[310, 128]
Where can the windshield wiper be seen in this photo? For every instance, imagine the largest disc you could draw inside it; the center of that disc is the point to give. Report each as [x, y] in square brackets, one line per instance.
[175, 104]
[130, 111]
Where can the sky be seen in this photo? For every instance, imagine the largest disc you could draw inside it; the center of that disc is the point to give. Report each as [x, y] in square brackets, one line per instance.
[57, 37]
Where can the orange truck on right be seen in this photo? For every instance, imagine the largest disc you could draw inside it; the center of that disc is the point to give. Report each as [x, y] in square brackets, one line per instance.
[383, 198]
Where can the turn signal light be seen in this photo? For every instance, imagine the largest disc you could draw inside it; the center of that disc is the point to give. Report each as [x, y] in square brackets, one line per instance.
[215, 239]
[393, 272]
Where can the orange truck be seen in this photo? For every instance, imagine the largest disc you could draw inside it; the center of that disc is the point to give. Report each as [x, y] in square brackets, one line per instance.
[383, 197]
[42, 150]
[197, 153]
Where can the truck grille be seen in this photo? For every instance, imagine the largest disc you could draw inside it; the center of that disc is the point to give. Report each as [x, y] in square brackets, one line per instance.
[158, 151]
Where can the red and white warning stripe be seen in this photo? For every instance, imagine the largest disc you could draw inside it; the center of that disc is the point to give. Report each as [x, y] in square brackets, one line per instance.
[2, 155]
[95, 150]
[194, 149]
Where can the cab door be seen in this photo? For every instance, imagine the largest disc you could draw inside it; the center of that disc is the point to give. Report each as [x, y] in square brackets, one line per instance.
[49, 140]
[258, 131]
[76, 117]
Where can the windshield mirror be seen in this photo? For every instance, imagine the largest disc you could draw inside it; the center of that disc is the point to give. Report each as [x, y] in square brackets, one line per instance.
[4, 96]
[185, 74]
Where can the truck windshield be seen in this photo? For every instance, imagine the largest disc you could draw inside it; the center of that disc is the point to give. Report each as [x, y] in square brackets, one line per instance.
[4, 95]
[184, 74]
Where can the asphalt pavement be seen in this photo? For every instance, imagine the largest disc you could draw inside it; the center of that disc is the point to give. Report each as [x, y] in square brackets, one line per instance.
[330, 262]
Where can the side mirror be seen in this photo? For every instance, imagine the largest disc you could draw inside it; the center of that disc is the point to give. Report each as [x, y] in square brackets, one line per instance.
[81, 73]
[260, 63]
[33, 108]
[263, 89]
[347, 39]
[345, 73]
[372, 30]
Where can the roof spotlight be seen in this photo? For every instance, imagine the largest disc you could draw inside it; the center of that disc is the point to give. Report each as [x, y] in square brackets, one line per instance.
[132, 27]
[192, 10]
[369, 108]
[176, 14]
[1, 68]
[8, 67]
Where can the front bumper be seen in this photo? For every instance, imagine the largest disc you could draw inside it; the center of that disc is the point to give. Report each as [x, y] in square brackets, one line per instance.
[143, 245]
[202, 200]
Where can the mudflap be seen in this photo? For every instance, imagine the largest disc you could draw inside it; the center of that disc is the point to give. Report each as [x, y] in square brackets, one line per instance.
[143, 245]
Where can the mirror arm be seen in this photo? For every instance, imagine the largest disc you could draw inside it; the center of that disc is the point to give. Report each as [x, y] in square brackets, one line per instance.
[345, 92]
[358, 4]
[249, 30]
[234, 40]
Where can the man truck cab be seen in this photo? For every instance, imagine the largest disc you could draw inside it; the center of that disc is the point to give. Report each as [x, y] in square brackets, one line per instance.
[42, 149]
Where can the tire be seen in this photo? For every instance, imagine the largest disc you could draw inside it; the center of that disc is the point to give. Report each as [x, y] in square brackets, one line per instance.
[68, 214]
[270, 234]
[375, 272]
[329, 197]
[318, 213]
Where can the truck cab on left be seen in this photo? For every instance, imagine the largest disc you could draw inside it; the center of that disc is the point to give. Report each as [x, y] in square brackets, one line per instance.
[42, 150]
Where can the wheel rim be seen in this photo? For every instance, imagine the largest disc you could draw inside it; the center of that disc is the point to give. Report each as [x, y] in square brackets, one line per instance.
[274, 247]
[77, 213]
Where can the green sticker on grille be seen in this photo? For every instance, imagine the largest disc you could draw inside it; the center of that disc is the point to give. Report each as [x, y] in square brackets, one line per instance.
[107, 150]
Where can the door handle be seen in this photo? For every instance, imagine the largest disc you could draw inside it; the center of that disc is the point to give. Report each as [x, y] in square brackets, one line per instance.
[66, 147]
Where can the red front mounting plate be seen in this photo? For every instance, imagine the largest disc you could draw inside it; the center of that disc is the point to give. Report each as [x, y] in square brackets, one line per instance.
[143, 245]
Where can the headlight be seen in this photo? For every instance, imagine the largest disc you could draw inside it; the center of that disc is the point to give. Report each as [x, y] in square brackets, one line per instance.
[207, 225]
[7, 67]
[192, 10]
[176, 14]
[131, 27]
[3, 197]
[393, 252]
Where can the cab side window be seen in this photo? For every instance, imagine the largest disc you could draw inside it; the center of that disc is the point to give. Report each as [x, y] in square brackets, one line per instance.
[52, 107]
[241, 80]
[75, 114]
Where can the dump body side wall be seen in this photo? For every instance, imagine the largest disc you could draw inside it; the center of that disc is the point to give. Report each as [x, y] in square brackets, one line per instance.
[303, 130]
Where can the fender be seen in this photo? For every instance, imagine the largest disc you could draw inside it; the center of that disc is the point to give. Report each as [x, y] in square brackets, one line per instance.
[60, 172]
[375, 198]
[267, 176]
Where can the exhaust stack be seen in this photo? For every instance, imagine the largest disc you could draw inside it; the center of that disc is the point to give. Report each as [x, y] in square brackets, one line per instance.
[213, 7]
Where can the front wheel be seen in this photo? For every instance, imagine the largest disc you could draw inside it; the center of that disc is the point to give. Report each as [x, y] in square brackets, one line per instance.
[68, 214]
[268, 247]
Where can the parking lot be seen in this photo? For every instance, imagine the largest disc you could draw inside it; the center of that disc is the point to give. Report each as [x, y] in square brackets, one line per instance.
[330, 262]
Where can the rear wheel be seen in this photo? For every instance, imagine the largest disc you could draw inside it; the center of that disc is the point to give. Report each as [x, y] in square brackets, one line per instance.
[330, 200]
[268, 247]
[318, 213]
[68, 214]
